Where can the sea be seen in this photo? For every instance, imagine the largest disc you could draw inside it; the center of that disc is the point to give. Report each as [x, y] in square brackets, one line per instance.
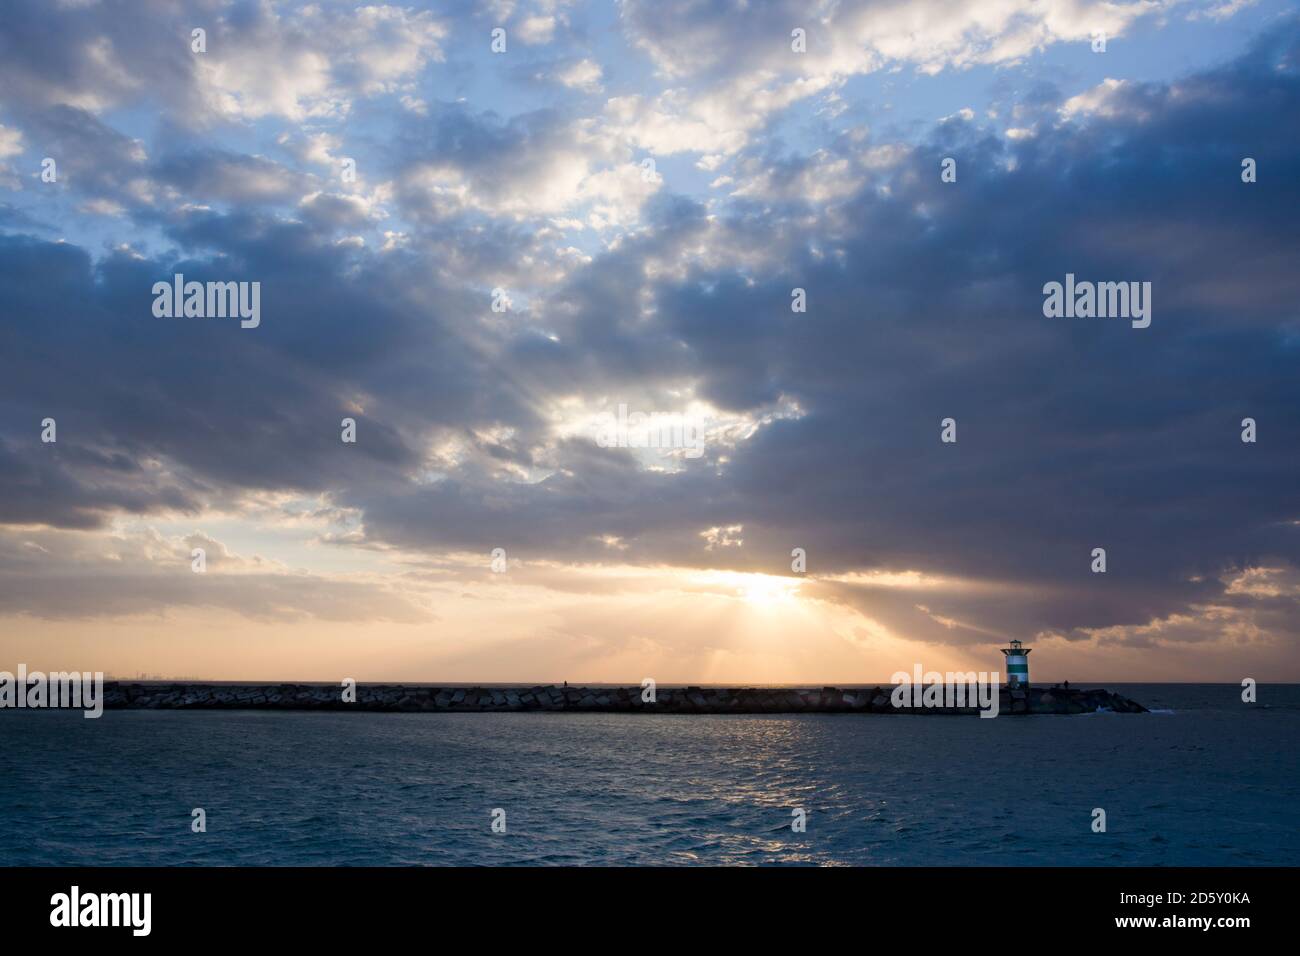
[1205, 779]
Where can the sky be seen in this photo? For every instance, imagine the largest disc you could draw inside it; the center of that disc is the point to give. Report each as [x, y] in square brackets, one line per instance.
[729, 219]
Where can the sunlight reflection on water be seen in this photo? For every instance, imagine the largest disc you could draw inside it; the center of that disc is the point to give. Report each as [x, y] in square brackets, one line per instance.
[304, 788]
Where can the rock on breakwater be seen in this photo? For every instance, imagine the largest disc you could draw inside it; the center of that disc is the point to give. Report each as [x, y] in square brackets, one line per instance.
[424, 698]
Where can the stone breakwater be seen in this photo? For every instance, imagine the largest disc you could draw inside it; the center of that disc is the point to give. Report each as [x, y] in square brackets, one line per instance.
[420, 698]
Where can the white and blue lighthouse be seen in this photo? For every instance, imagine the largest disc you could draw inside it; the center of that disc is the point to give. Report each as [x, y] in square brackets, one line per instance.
[1017, 664]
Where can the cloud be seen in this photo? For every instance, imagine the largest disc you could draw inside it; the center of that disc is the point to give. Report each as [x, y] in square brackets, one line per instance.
[745, 70]
[260, 61]
[1104, 99]
[538, 164]
[536, 29]
[314, 62]
[11, 142]
[61, 576]
[924, 302]
[686, 38]
[91, 157]
[584, 75]
[228, 177]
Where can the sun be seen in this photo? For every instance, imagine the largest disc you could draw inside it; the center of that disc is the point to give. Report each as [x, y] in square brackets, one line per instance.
[755, 590]
[767, 590]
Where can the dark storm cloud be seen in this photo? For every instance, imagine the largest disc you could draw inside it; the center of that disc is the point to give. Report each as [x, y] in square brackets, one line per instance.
[1073, 434]
[225, 407]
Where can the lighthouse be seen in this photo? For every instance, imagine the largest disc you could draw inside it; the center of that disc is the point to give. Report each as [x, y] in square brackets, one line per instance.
[1017, 664]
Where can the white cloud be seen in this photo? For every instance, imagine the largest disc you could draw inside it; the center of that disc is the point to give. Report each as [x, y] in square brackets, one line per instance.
[11, 144]
[320, 149]
[1102, 100]
[662, 126]
[11, 141]
[313, 63]
[1222, 11]
[552, 171]
[583, 75]
[749, 72]
[102, 207]
[536, 29]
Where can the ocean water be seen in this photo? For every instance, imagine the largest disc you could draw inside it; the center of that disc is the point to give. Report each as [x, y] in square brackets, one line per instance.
[1207, 780]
